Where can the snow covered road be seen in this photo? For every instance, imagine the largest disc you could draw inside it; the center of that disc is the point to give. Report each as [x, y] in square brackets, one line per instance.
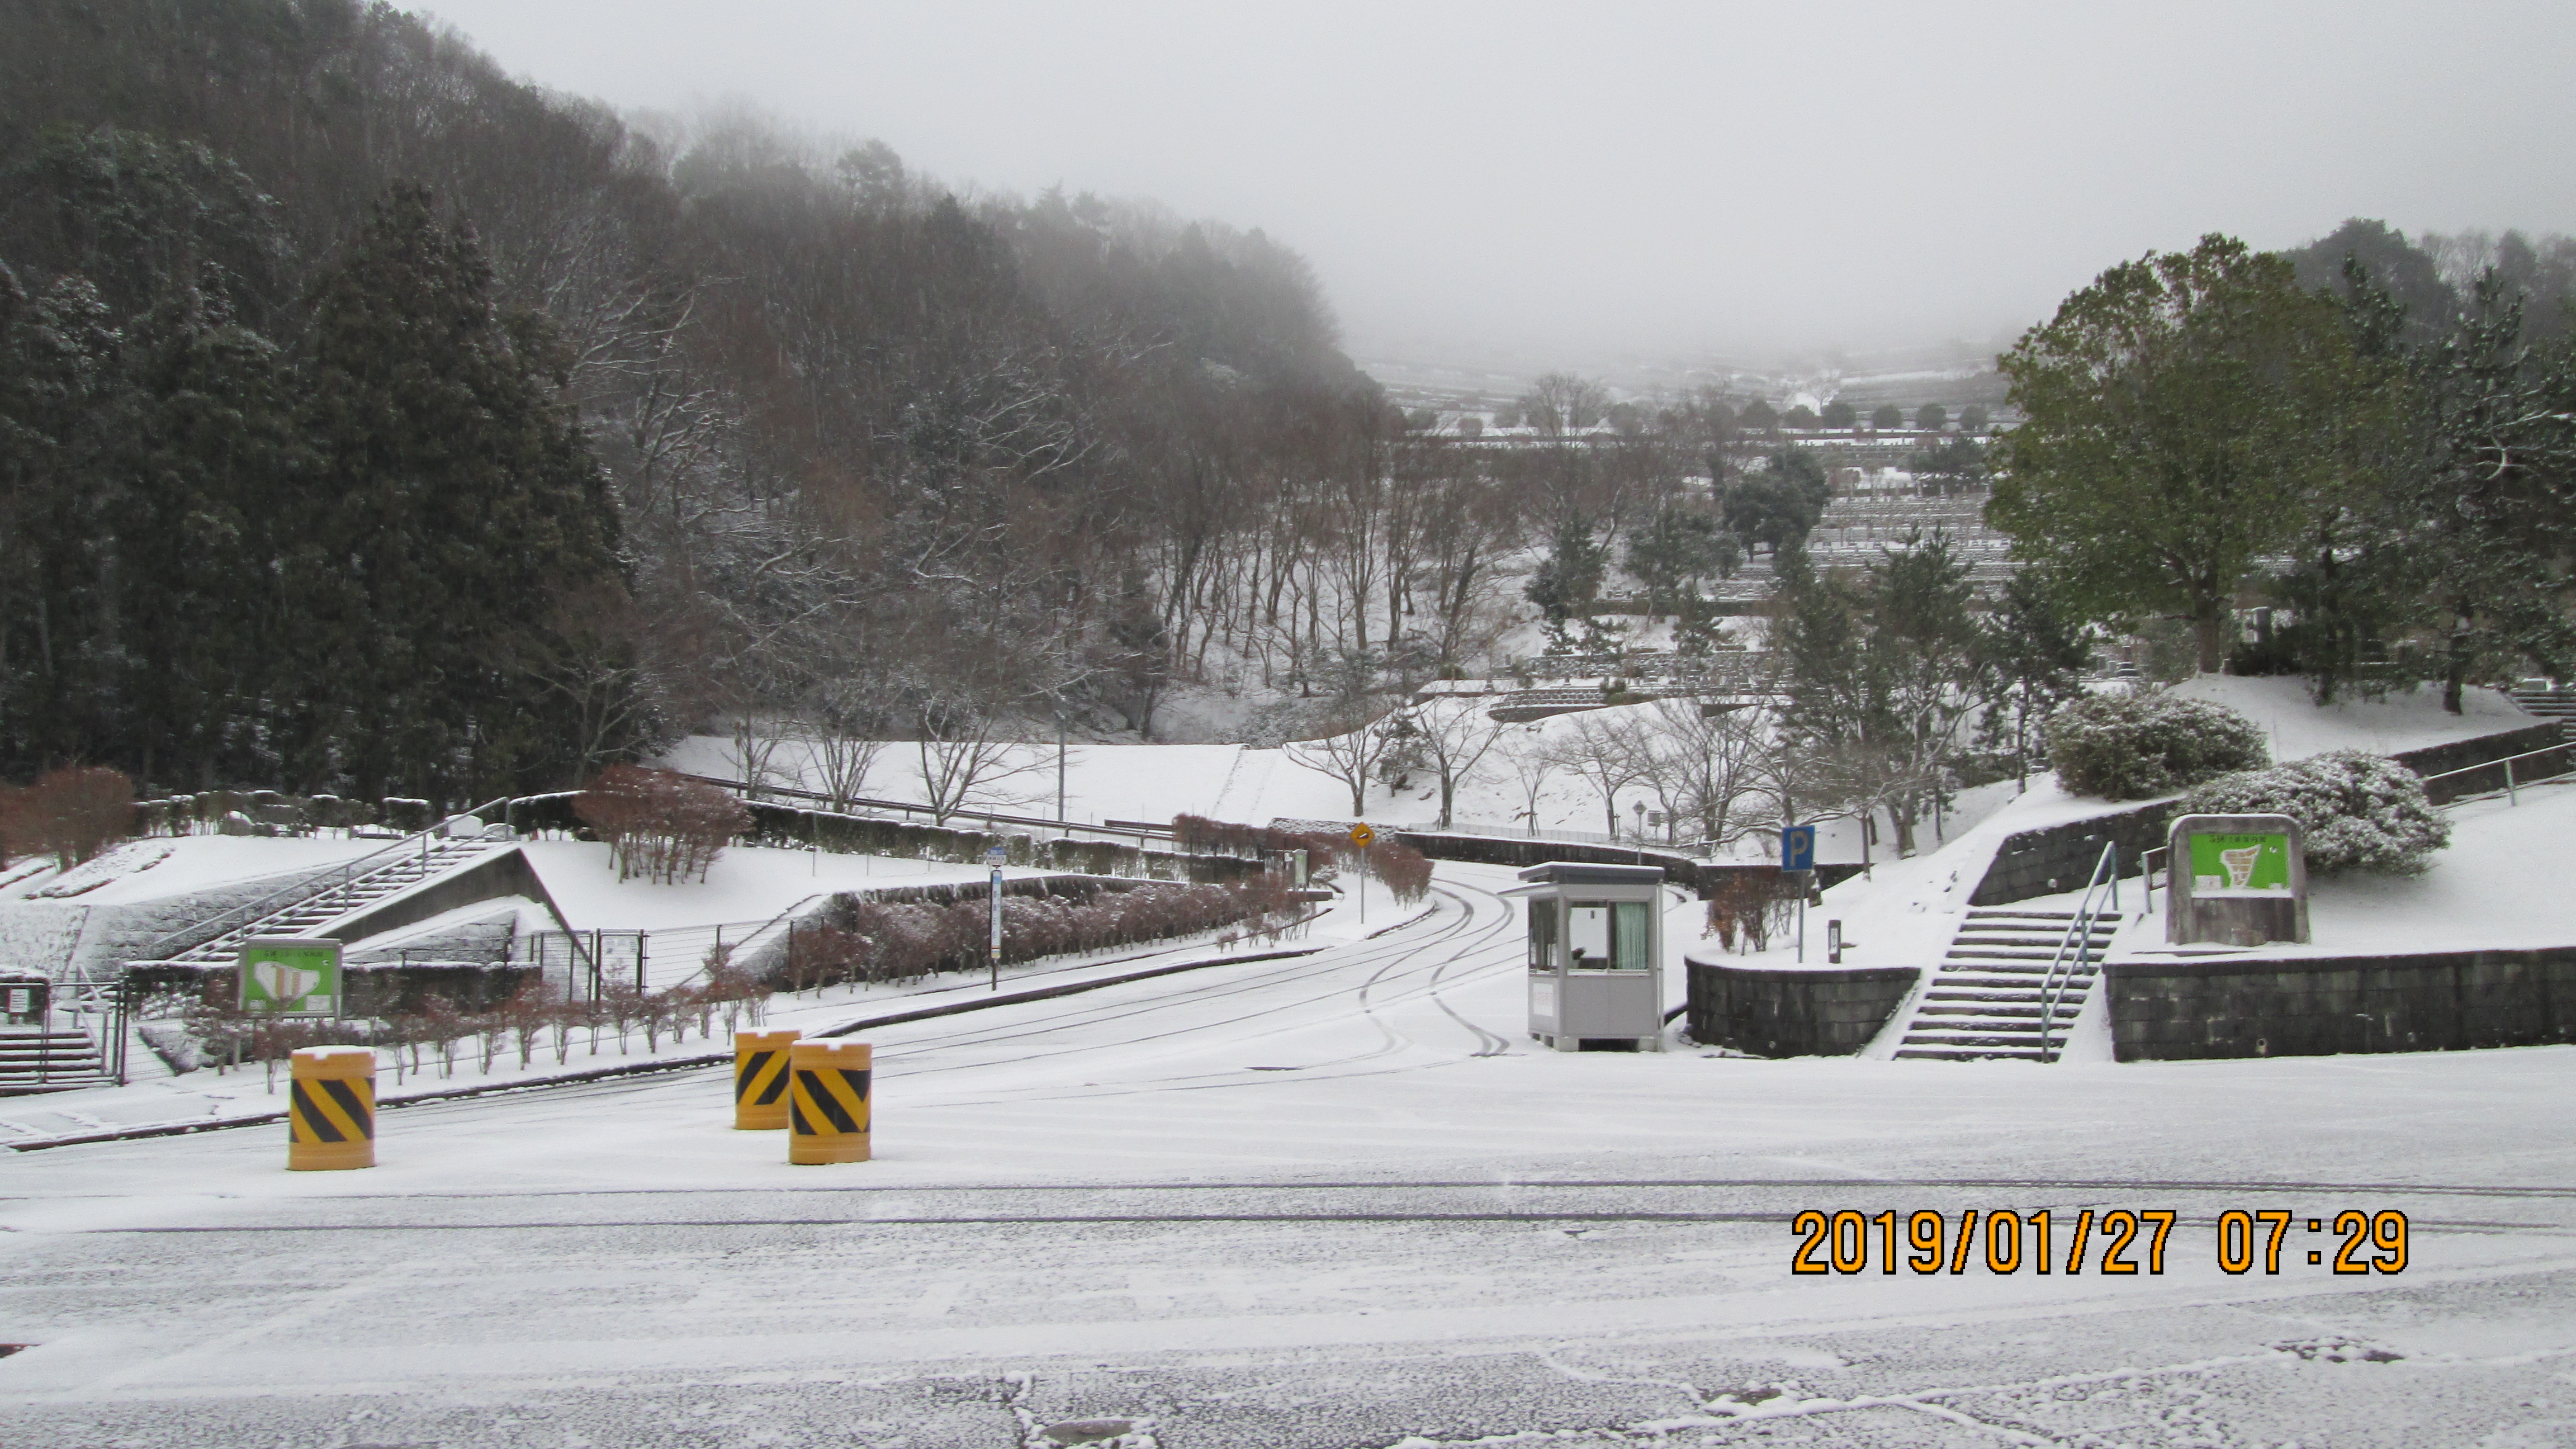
[1330, 1201]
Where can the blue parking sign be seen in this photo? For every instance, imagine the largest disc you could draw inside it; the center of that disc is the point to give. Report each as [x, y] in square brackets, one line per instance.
[1797, 847]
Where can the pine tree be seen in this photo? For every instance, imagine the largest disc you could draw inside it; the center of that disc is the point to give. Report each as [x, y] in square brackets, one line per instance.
[456, 503]
[2030, 657]
[211, 461]
[59, 392]
[2494, 513]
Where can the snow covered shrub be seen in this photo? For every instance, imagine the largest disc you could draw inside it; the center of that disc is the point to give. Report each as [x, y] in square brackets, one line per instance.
[2131, 746]
[2359, 811]
[1748, 905]
[1406, 871]
[661, 826]
[867, 940]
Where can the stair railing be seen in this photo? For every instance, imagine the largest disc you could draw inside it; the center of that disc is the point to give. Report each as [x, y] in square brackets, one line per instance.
[188, 938]
[2075, 949]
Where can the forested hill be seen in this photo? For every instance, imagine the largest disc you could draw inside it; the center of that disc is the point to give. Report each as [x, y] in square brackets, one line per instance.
[372, 421]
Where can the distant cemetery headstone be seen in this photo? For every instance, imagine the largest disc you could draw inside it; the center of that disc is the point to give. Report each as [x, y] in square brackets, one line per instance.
[2238, 880]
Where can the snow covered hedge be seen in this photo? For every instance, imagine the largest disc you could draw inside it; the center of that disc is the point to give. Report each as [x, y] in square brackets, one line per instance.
[2359, 811]
[2131, 746]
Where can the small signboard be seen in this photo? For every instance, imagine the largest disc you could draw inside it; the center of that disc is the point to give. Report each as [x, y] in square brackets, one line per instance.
[996, 855]
[2238, 880]
[290, 977]
[2250, 863]
[22, 1000]
[1797, 848]
[1363, 837]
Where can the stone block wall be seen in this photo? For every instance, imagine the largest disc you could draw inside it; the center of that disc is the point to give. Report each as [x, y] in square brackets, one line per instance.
[2461, 754]
[1763, 1013]
[1698, 876]
[2033, 863]
[2438, 1001]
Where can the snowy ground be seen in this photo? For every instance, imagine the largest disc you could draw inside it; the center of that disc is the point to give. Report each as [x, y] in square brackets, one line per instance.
[157, 1097]
[1335, 1201]
[2404, 720]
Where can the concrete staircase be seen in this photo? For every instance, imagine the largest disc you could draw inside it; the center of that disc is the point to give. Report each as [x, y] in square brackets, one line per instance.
[33, 1060]
[366, 883]
[1986, 1000]
[2557, 704]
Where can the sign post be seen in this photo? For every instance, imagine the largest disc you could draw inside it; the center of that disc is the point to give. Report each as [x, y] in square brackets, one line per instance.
[1363, 837]
[1798, 863]
[289, 976]
[2238, 880]
[994, 856]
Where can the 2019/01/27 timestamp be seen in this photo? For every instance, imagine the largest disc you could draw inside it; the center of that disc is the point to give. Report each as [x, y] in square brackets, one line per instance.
[2118, 1242]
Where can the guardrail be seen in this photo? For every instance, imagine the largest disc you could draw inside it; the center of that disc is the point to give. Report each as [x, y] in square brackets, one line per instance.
[2566, 754]
[2079, 940]
[1136, 830]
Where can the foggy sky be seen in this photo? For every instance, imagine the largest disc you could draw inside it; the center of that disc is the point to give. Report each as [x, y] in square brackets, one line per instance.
[1591, 182]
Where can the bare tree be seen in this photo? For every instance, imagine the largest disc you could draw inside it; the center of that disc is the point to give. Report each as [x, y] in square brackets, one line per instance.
[1452, 740]
[1610, 754]
[1708, 764]
[965, 760]
[1349, 754]
[1533, 760]
[842, 743]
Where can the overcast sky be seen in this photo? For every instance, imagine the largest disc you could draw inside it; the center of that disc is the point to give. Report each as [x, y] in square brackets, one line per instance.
[1593, 181]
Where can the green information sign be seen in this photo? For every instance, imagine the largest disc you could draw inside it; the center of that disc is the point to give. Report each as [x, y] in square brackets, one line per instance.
[2240, 865]
[290, 978]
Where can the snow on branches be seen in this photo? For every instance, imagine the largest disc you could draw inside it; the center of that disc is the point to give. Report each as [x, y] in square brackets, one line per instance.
[2358, 811]
[2131, 746]
[661, 826]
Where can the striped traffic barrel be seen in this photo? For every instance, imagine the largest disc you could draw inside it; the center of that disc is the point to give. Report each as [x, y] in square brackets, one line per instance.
[827, 1104]
[760, 1080]
[331, 1109]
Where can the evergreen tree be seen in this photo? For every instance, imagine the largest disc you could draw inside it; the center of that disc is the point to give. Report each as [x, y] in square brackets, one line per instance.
[1675, 550]
[455, 503]
[211, 465]
[2030, 659]
[1780, 504]
[59, 396]
[2181, 414]
[1569, 578]
[2493, 513]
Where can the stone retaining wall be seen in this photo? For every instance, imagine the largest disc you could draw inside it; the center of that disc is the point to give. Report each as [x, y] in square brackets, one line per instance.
[2440, 1001]
[1833, 1012]
[1699, 876]
[2033, 863]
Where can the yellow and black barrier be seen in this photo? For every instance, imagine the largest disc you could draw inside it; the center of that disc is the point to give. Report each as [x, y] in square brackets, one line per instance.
[827, 1107]
[331, 1109]
[760, 1080]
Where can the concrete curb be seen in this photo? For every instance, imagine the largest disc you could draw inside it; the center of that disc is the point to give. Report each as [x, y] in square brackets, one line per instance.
[673, 1064]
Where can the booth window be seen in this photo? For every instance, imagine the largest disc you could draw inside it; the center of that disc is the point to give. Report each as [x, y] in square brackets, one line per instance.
[1607, 936]
[1542, 935]
[1628, 940]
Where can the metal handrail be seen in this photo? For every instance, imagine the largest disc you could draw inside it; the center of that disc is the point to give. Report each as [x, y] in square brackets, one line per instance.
[2512, 790]
[2078, 939]
[1141, 835]
[162, 949]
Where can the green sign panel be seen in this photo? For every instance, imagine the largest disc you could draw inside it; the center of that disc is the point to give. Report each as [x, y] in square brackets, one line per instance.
[2240, 865]
[290, 978]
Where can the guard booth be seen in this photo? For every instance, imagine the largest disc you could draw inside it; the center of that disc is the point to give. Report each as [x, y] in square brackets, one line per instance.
[1596, 955]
